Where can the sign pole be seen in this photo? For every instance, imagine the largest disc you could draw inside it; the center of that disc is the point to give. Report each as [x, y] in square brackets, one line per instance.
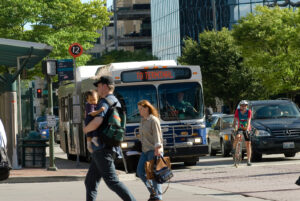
[76, 50]
[75, 113]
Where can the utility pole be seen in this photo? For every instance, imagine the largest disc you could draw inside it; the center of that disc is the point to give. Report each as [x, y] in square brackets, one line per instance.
[213, 5]
[116, 24]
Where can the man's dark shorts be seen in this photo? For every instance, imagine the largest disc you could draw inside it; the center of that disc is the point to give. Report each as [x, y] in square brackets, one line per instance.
[247, 136]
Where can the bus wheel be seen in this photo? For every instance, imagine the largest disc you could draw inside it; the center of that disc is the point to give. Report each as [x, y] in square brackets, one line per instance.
[190, 163]
[132, 163]
[71, 157]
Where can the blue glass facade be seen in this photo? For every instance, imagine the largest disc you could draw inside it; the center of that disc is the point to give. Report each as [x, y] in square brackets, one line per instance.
[165, 28]
[174, 20]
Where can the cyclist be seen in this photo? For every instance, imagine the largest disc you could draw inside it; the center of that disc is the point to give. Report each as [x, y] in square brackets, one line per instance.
[242, 121]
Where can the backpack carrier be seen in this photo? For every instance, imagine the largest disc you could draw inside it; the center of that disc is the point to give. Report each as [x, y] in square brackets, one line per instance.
[112, 130]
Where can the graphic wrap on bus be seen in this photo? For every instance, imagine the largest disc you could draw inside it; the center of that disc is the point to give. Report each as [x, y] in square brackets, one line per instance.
[177, 93]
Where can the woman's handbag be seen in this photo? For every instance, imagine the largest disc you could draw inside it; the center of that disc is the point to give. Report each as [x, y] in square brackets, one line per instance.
[5, 165]
[159, 168]
[163, 174]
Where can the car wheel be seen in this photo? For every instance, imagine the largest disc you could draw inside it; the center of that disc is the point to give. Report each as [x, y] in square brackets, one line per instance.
[211, 152]
[225, 152]
[256, 157]
[289, 154]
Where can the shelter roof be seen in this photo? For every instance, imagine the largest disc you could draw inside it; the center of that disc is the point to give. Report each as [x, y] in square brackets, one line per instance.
[11, 49]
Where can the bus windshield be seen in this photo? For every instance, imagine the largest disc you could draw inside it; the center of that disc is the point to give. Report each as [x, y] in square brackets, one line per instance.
[180, 101]
[129, 96]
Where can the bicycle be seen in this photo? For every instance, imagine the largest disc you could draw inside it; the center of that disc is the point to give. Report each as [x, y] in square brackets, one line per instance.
[238, 155]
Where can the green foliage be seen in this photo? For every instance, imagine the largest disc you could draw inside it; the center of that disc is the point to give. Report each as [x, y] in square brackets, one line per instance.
[270, 39]
[57, 23]
[122, 56]
[223, 72]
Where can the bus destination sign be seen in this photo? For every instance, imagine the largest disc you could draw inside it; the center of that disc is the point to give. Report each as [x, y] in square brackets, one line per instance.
[155, 75]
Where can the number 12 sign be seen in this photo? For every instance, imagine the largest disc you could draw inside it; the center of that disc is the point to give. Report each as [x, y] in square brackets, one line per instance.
[75, 50]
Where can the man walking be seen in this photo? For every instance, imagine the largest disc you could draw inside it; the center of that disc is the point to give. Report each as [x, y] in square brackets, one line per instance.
[103, 156]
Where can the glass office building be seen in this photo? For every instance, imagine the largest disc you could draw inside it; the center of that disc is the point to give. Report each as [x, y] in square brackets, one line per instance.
[174, 20]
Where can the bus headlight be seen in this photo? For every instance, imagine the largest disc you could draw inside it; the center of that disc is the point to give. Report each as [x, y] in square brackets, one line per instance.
[125, 145]
[197, 140]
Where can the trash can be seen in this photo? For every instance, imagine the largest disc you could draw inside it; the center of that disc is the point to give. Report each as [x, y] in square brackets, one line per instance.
[34, 151]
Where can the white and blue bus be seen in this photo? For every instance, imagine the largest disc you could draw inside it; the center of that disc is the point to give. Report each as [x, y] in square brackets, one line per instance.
[159, 82]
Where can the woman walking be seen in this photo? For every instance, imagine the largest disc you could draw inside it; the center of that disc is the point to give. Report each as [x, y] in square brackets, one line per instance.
[151, 139]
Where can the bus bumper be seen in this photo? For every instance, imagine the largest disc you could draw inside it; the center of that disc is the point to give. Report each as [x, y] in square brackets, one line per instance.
[182, 153]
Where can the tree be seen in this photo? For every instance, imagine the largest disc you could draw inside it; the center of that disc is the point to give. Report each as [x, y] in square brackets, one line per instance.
[269, 39]
[57, 23]
[123, 56]
[223, 72]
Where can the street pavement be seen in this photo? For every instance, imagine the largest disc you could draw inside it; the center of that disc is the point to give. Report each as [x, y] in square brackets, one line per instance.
[212, 179]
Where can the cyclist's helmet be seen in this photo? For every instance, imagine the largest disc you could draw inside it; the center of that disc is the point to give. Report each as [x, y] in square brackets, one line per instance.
[244, 102]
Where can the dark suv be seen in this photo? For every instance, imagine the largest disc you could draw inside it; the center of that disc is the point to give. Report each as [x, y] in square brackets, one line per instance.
[276, 128]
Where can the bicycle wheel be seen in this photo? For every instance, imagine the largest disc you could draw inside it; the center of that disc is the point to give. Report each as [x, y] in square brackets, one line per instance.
[237, 156]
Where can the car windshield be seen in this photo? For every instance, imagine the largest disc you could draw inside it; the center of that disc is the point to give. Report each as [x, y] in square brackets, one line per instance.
[211, 121]
[283, 110]
[181, 101]
[129, 96]
[43, 125]
[227, 122]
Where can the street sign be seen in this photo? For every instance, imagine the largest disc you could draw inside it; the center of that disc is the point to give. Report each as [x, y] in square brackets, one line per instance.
[51, 122]
[75, 50]
[65, 69]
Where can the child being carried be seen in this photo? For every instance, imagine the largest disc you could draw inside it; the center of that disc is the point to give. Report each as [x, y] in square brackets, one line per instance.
[90, 113]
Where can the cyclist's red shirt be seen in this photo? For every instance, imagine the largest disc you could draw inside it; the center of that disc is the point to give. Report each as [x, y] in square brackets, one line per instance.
[243, 118]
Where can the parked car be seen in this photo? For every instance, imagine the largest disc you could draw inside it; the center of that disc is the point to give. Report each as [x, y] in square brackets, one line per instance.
[211, 120]
[40, 119]
[275, 127]
[43, 130]
[219, 136]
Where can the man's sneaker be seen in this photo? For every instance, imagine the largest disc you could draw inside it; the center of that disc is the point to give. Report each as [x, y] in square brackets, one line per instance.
[298, 181]
[249, 163]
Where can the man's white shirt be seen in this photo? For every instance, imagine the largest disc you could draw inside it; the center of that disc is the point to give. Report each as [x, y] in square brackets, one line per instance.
[2, 135]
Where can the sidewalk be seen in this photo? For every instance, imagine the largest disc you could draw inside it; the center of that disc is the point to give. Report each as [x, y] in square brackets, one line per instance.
[67, 170]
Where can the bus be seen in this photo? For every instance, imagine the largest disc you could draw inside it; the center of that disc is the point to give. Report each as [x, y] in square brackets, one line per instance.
[162, 83]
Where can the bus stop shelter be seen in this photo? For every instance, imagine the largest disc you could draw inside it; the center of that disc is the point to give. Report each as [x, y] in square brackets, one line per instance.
[16, 55]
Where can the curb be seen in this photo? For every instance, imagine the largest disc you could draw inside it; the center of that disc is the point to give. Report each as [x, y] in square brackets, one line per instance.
[42, 179]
